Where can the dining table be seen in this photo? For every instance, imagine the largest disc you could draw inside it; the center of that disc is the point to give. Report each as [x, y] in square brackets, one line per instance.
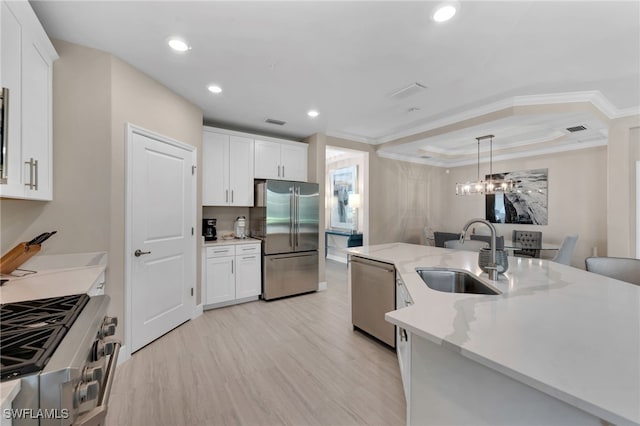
[547, 250]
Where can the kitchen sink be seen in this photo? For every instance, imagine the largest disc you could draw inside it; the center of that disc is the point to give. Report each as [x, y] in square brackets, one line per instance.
[454, 281]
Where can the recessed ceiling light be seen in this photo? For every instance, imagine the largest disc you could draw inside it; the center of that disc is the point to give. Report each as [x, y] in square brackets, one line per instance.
[215, 89]
[313, 113]
[178, 45]
[444, 12]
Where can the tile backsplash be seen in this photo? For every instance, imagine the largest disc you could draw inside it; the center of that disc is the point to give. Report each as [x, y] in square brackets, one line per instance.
[225, 217]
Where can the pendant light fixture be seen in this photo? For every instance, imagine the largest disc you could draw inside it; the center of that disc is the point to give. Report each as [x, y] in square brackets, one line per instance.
[481, 186]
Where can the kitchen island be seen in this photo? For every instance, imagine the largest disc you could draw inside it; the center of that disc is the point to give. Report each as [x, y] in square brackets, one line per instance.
[558, 346]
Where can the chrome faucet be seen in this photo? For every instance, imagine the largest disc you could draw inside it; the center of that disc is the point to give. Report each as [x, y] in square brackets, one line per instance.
[491, 267]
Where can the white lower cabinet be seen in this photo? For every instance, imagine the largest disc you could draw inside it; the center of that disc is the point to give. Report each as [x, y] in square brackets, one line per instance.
[232, 274]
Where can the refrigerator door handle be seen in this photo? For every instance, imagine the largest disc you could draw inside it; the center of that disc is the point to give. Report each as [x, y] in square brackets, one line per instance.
[297, 217]
[292, 212]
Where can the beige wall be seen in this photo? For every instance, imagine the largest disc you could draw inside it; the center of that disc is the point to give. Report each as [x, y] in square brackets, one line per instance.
[95, 95]
[623, 152]
[576, 199]
[139, 100]
[316, 155]
[398, 194]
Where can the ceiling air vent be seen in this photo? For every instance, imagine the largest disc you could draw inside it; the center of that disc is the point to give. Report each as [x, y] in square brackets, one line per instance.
[576, 128]
[274, 121]
[407, 91]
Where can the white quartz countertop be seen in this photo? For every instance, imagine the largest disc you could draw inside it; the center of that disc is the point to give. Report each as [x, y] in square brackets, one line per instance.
[569, 333]
[234, 241]
[55, 275]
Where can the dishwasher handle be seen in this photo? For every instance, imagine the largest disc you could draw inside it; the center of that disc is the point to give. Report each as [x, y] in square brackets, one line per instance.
[384, 266]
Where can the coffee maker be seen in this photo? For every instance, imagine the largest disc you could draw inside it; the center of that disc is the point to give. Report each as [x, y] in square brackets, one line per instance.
[209, 229]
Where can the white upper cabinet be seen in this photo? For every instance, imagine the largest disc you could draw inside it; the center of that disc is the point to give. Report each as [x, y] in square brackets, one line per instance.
[280, 160]
[227, 163]
[26, 71]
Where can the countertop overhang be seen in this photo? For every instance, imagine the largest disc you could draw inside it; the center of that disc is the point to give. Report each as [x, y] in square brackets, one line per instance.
[569, 333]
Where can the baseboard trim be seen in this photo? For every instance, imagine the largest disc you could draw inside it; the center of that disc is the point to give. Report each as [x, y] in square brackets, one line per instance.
[124, 355]
[199, 309]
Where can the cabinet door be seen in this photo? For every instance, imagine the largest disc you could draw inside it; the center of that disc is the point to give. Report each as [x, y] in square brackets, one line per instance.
[241, 171]
[215, 167]
[220, 279]
[267, 160]
[11, 39]
[294, 161]
[248, 281]
[36, 122]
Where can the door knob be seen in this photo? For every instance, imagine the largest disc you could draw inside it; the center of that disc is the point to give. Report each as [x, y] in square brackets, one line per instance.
[139, 253]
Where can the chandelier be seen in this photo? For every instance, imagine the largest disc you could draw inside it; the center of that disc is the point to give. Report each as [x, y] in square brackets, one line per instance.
[489, 186]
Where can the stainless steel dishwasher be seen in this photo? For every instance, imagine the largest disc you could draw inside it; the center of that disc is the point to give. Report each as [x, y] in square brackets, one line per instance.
[372, 295]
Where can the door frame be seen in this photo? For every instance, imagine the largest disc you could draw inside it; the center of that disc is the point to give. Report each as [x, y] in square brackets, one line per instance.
[132, 129]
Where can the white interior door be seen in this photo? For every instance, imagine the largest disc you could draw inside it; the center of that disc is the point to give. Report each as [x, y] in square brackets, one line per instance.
[162, 245]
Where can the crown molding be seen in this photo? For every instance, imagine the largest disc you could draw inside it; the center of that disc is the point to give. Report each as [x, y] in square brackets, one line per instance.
[596, 98]
[350, 137]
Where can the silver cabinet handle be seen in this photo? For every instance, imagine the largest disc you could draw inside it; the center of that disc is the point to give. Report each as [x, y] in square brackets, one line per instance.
[278, 170]
[139, 253]
[232, 195]
[226, 196]
[283, 171]
[232, 266]
[33, 174]
[403, 335]
[5, 135]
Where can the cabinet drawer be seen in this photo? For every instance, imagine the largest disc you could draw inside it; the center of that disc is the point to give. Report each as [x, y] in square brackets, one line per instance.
[221, 251]
[247, 249]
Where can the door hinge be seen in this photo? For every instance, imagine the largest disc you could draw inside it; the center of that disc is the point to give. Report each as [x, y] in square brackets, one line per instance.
[193, 170]
[192, 291]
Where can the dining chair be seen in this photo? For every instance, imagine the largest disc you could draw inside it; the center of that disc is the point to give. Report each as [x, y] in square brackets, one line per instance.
[621, 268]
[441, 237]
[468, 245]
[566, 250]
[487, 239]
[530, 242]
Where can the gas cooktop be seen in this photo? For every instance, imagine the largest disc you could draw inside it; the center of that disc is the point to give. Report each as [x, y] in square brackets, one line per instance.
[31, 331]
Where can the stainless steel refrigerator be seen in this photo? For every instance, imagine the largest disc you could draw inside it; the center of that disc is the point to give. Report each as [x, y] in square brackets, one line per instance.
[286, 218]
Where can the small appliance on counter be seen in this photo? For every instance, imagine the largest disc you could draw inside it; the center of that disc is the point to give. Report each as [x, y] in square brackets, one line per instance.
[240, 227]
[209, 229]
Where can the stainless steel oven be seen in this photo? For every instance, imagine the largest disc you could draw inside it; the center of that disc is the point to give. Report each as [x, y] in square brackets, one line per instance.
[63, 352]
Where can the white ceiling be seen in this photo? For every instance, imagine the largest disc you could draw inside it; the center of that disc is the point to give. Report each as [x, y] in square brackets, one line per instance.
[280, 59]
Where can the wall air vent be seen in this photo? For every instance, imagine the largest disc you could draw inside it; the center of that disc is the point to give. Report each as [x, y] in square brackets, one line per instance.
[407, 91]
[274, 121]
[576, 128]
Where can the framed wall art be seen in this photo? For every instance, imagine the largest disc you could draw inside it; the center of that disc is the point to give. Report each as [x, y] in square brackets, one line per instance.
[343, 182]
[527, 203]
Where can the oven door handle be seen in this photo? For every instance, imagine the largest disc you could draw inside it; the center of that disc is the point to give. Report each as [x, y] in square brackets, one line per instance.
[98, 415]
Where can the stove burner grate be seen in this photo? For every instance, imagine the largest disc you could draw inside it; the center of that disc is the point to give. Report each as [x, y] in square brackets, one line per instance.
[31, 331]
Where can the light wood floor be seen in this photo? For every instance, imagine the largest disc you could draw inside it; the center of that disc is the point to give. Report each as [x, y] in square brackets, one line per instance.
[294, 361]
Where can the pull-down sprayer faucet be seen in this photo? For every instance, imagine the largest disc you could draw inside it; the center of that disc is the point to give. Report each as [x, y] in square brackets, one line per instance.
[491, 267]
